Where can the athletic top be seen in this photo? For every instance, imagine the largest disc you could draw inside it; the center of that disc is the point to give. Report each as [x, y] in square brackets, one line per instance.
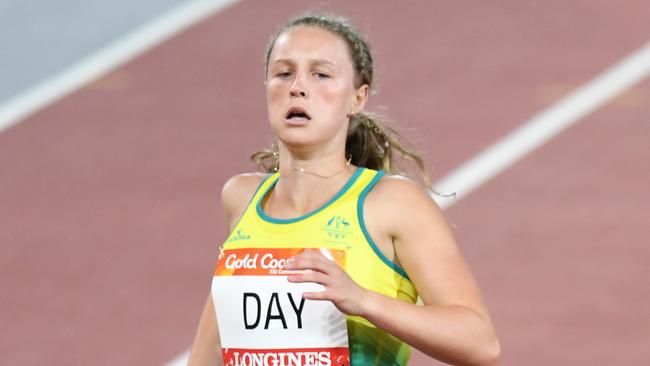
[338, 224]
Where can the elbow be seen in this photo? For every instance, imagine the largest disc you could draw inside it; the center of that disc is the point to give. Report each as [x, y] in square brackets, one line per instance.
[487, 354]
[488, 350]
[491, 354]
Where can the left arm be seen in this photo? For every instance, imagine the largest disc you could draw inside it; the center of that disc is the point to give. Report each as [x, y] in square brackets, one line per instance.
[453, 324]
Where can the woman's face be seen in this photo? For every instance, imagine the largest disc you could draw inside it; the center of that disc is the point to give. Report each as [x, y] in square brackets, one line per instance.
[310, 89]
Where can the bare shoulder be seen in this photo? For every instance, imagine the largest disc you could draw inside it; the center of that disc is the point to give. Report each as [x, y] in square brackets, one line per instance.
[237, 193]
[400, 200]
[400, 192]
[397, 184]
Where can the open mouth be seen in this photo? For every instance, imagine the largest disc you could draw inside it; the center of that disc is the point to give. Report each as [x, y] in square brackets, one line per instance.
[297, 114]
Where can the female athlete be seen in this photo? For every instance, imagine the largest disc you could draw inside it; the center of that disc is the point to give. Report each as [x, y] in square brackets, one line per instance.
[332, 180]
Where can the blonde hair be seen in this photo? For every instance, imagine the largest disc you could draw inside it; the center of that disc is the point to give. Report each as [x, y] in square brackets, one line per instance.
[371, 142]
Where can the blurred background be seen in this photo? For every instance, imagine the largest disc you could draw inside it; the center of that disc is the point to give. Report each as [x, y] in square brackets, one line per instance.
[120, 121]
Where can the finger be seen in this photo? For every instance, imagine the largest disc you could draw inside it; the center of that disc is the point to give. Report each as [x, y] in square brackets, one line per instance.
[313, 276]
[318, 296]
[322, 253]
[309, 254]
[313, 262]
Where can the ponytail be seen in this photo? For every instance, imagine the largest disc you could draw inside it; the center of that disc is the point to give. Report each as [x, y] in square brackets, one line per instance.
[374, 144]
[267, 160]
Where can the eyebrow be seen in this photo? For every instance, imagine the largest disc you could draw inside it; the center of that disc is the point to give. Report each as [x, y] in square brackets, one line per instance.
[312, 61]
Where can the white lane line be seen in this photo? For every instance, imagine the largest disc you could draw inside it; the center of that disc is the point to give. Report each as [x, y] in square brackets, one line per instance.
[544, 126]
[110, 57]
[180, 360]
[533, 133]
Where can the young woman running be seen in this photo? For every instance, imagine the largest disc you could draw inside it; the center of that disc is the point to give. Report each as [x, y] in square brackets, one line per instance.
[331, 180]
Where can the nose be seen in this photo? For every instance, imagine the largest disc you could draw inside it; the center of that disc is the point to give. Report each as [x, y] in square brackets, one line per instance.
[298, 88]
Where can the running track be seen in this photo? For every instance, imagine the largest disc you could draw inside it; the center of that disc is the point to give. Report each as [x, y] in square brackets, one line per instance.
[110, 197]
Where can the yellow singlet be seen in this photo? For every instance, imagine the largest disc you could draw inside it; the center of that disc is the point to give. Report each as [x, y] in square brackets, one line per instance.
[338, 224]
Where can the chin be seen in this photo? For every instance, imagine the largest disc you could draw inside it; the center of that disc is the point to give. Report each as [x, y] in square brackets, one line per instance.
[297, 143]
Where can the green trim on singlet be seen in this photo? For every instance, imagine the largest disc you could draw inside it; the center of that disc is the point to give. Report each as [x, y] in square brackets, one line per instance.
[274, 220]
[369, 346]
[362, 224]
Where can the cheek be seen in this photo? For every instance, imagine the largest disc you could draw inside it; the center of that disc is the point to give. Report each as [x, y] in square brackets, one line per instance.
[337, 98]
[274, 93]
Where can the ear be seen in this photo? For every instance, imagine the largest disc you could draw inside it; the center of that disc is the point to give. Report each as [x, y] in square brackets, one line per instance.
[360, 99]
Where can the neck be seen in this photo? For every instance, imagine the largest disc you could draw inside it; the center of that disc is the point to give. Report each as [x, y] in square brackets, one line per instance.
[306, 184]
[324, 165]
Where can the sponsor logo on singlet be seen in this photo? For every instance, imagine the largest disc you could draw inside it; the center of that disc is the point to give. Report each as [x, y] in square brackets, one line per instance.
[239, 235]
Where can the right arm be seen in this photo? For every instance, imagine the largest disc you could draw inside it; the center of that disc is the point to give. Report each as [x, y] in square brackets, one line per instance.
[235, 196]
[206, 349]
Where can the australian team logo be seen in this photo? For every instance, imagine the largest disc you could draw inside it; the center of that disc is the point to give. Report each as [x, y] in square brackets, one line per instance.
[338, 227]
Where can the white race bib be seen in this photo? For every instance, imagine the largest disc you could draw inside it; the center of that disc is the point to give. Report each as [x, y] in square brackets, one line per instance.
[263, 319]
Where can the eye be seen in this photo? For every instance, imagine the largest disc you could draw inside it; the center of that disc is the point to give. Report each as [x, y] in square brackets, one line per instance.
[321, 75]
[283, 74]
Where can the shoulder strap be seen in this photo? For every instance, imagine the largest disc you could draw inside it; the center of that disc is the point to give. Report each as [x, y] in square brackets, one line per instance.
[360, 216]
[263, 188]
[259, 192]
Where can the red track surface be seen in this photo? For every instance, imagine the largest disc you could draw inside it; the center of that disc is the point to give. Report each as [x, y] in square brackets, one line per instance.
[109, 200]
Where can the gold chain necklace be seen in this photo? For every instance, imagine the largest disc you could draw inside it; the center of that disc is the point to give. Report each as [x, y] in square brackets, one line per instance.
[303, 171]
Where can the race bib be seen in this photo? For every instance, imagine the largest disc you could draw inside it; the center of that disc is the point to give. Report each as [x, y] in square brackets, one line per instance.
[263, 319]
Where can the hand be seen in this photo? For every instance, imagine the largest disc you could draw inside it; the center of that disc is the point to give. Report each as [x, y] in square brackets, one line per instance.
[340, 289]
